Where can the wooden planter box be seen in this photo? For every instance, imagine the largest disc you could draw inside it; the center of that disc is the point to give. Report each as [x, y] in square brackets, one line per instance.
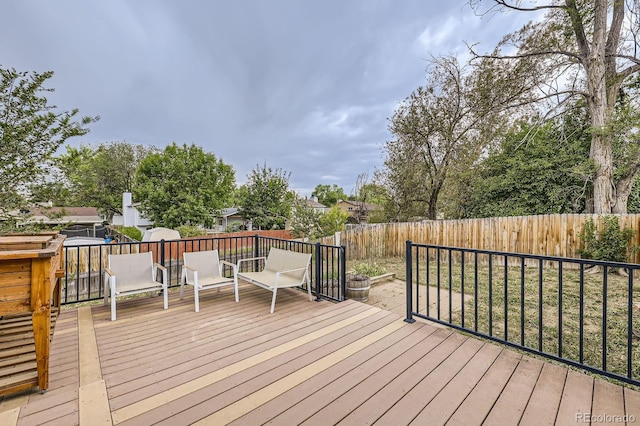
[30, 265]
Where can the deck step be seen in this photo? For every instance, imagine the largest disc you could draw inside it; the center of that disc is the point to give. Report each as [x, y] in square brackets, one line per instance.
[18, 367]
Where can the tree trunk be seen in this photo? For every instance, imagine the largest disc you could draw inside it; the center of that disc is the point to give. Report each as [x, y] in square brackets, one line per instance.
[623, 190]
[601, 142]
[603, 181]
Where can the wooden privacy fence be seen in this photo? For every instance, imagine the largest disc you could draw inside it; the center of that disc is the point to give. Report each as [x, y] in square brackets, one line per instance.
[550, 235]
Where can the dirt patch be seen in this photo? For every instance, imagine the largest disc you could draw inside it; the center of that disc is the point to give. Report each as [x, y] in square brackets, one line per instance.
[391, 296]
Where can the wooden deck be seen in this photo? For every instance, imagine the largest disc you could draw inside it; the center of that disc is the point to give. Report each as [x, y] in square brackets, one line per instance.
[308, 363]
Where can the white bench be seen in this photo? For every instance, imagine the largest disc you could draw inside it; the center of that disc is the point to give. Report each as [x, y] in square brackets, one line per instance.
[282, 268]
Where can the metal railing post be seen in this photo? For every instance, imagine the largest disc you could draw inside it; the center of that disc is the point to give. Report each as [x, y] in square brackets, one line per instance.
[256, 249]
[408, 272]
[343, 272]
[318, 272]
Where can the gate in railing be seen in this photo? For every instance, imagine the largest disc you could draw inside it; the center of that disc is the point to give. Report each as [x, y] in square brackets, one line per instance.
[583, 313]
[84, 265]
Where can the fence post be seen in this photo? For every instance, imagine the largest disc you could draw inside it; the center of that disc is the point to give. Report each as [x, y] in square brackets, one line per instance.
[318, 272]
[409, 279]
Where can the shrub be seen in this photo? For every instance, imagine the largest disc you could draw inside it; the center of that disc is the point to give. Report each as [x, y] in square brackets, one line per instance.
[369, 269]
[131, 232]
[609, 244]
[190, 231]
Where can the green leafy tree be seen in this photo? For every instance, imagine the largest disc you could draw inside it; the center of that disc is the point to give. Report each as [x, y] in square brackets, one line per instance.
[581, 49]
[183, 185]
[305, 221]
[265, 198]
[548, 174]
[440, 125]
[379, 196]
[57, 192]
[610, 243]
[97, 177]
[333, 221]
[31, 130]
[329, 194]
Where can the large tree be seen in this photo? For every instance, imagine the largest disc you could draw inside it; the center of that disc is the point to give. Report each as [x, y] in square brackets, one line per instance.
[265, 198]
[305, 220]
[97, 177]
[31, 130]
[587, 49]
[329, 195]
[548, 174]
[441, 125]
[183, 185]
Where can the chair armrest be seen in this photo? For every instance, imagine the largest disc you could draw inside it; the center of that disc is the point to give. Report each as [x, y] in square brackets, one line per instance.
[189, 268]
[291, 270]
[233, 265]
[157, 265]
[278, 273]
[250, 259]
[109, 272]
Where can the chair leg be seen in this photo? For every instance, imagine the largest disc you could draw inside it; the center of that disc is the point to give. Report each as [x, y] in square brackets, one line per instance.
[113, 301]
[235, 289]
[196, 297]
[165, 289]
[273, 300]
[183, 278]
[165, 293]
[309, 291]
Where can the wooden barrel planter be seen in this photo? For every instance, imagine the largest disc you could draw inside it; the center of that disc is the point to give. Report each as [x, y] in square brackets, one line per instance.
[357, 287]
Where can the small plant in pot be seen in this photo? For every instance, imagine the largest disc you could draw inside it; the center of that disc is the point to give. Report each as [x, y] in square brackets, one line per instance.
[359, 282]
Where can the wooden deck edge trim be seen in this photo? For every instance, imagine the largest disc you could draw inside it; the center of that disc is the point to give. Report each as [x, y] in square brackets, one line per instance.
[245, 405]
[157, 400]
[93, 404]
[10, 417]
[87, 348]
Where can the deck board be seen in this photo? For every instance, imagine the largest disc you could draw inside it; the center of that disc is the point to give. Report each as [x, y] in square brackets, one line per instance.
[511, 403]
[479, 402]
[297, 404]
[308, 363]
[401, 380]
[542, 408]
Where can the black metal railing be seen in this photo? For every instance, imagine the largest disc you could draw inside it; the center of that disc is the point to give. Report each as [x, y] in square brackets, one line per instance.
[580, 312]
[84, 265]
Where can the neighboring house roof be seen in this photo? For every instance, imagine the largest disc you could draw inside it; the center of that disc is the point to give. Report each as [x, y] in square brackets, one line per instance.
[360, 205]
[59, 215]
[314, 204]
[231, 211]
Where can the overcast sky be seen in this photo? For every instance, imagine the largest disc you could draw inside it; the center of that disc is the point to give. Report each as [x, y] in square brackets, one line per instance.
[304, 86]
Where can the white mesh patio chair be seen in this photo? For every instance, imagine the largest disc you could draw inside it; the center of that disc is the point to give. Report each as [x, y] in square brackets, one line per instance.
[132, 274]
[204, 270]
